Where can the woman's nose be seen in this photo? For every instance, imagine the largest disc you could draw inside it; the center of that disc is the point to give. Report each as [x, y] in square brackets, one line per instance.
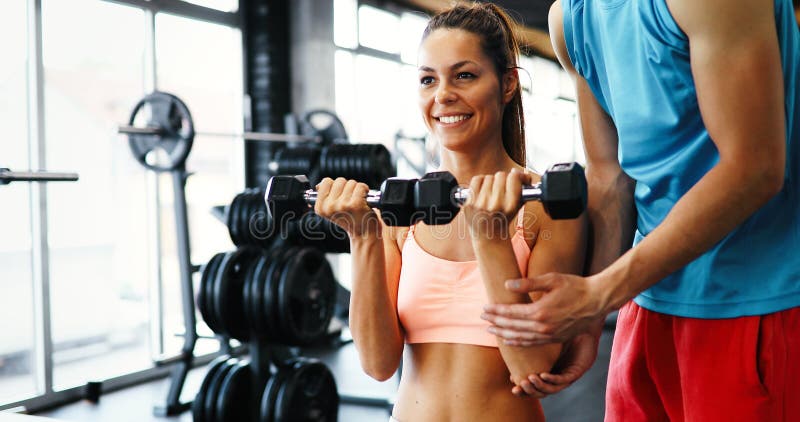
[445, 95]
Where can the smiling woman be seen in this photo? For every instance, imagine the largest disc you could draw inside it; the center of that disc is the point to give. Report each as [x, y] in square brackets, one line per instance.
[422, 288]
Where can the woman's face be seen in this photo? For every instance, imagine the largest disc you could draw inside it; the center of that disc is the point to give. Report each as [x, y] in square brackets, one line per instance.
[460, 94]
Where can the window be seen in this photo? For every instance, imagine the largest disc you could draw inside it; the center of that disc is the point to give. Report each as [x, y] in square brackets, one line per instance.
[98, 248]
[17, 342]
[99, 251]
[205, 71]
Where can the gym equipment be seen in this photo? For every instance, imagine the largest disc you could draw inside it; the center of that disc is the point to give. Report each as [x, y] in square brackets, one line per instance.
[7, 176]
[289, 197]
[434, 198]
[286, 295]
[168, 127]
[301, 390]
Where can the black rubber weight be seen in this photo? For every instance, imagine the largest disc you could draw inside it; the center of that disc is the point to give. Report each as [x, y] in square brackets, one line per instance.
[198, 405]
[308, 394]
[210, 402]
[234, 402]
[306, 294]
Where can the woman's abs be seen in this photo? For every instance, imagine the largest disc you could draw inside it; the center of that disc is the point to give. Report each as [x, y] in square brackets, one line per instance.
[459, 382]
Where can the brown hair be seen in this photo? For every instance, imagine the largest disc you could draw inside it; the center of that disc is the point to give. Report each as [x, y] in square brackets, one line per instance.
[499, 42]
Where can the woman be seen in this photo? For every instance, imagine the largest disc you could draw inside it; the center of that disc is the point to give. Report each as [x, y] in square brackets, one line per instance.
[425, 286]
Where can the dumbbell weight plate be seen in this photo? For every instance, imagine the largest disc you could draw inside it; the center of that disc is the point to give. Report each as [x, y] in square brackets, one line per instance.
[208, 292]
[236, 216]
[243, 219]
[271, 296]
[253, 298]
[264, 303]
[233, 402]
[246, 296]
[214, 386]
[306, 295]
[308, 394]
[267, 408]
[198, 405]
[228, 292]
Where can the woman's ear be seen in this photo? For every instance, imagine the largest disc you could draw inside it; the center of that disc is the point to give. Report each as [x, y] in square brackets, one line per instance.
[510, 84]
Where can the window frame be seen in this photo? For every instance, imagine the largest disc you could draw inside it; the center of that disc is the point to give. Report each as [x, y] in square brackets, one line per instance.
[43, 346]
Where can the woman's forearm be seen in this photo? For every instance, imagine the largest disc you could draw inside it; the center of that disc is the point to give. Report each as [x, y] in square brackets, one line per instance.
[374, 323]
[497, 264]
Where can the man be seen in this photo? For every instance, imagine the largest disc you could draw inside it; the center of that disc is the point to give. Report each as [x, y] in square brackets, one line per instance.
[691, 123]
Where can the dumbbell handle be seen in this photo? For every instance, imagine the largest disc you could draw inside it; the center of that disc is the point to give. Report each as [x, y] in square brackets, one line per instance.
[529, 193]
[373, 197]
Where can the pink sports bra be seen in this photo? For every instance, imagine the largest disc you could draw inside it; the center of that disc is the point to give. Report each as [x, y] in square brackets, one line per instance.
[440, 301]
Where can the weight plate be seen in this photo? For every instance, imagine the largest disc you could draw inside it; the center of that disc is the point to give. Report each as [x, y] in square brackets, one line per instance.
[198, 409]
[252, 299]
[284, 335]
[267, 408]
[325, 124]
[229, 294]
[243, 213]
[306, 295]
[208, 292]
[234, 402]
[214, 385]
[171, 116]
[267, 304]
[308, 394]
[234, 220]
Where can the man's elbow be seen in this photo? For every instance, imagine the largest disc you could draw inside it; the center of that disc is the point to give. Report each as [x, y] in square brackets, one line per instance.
[768, 179]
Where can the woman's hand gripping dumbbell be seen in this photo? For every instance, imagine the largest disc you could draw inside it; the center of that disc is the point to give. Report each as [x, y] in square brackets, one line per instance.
[434, 199]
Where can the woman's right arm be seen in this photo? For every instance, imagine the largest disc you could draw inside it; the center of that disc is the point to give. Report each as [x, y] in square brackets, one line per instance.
[374, 323]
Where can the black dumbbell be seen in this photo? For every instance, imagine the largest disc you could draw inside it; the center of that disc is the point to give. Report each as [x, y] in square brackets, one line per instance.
[289, 197]
[436, 197]
[562, 191]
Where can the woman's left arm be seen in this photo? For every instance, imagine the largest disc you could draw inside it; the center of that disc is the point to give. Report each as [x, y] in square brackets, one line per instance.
[560, 247]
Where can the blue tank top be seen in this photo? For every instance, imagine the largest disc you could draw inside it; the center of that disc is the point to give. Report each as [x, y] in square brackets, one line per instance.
[635, 59]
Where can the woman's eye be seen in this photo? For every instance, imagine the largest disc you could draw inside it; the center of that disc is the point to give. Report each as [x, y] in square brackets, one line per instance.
[465, 75]
[426, 80]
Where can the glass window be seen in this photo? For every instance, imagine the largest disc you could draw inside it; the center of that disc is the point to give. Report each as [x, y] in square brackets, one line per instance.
[378, 29]
[97, 226]
[16, 301]
[345, 23]
[411, 27]
[551, 124]
[205, 71]
[223, 5]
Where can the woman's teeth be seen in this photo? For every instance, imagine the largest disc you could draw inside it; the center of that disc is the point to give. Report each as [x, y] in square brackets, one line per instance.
[453, 119]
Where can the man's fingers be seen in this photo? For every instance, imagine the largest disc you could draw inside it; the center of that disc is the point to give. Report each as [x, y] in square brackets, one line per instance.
[545, 387]
[567, 377]
[530, 390]
[514, 310]
[541, 283]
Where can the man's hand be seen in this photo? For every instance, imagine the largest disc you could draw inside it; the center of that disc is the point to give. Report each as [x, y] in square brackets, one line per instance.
[576, 358]
[569, 306]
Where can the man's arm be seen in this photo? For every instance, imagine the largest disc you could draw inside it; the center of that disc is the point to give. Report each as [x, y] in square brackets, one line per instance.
[610, 210]
[610, 207]
[736, 65]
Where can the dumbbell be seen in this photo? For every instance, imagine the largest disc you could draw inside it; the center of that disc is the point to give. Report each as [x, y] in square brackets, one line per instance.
[435, 198]
[289, 197]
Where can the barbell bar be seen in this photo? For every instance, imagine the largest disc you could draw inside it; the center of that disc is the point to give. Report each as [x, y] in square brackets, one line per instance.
[7, 176]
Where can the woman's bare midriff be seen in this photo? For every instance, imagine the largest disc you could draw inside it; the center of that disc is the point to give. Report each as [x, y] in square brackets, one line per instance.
[459, 382]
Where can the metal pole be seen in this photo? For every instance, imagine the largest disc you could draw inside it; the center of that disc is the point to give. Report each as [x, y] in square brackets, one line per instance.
[7, 176]
[249, 136]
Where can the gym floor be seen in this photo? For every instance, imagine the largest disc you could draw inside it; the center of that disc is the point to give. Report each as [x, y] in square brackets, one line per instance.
[583, 401]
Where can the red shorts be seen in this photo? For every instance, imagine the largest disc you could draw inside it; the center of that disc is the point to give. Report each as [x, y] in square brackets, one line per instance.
[668, 368]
